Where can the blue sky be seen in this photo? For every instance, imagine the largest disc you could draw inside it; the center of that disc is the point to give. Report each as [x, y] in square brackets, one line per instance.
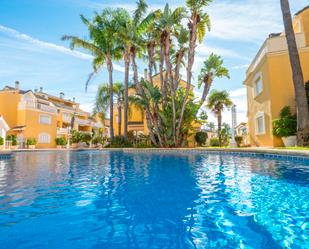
[32, 52]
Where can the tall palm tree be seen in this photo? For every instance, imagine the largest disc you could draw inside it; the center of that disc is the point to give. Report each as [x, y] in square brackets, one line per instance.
[217, 102]
[102, 103]
[103, 45]
[212, 68]
[128, 36]
[298, 78]
[199, 23]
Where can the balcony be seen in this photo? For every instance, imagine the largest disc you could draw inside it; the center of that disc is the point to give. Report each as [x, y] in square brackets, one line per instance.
[97, 125]
[274, 45]
[62, 131]
[66, 118]
[83, 122]
[37, 106]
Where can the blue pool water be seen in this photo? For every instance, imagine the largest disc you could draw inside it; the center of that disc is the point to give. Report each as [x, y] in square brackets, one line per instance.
[147, 200]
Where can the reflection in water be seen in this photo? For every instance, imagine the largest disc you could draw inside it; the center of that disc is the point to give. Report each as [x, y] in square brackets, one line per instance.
[129, 200]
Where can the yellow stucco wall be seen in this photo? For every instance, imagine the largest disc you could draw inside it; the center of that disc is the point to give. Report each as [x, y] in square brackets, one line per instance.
[8, 106]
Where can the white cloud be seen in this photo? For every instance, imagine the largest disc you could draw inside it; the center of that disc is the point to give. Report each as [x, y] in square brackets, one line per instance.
[239, 67]
[51, 46]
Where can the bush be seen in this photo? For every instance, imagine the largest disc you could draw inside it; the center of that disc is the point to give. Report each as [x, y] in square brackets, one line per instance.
[119, 142]
[31, 141]
[238, 140]
[76, 137]
[286, 125]
[97, 140]
[86, 138]
[214, 142]
[12, 138]
[201, 137]
[61, 141]
[131, 136]
[1, 141]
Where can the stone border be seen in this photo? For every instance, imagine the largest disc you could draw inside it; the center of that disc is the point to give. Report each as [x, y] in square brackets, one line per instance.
[264, 152]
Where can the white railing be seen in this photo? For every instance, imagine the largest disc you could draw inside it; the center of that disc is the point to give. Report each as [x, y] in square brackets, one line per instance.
[84, 122]
[97, 125]
[37, 106]
[66, 117]
[62, 130]
[275, 44]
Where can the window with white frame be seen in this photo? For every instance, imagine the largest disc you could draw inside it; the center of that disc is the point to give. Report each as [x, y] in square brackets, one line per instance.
[45, 119]
[258, 85]
[44, 138]
[260, 123]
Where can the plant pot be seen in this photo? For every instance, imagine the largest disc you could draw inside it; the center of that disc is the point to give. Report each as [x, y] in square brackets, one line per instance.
[74, 145]
[31, 147]
[59, 147]
[290, 141]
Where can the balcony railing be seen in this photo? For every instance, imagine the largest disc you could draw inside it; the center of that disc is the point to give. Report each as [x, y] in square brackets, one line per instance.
[62, 130]
[83, 122]
[37, 106]
[97, 125]
[66, 118]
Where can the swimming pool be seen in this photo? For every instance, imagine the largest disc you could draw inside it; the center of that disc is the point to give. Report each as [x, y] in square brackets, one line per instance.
[97, 199]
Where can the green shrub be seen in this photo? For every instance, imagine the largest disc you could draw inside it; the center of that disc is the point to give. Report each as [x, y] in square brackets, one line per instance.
[76, 136]
[31, 141]
[131, 136]
[1, 141]
[61, 141]
[12, 138]
[98, 140]
[201, 137]
[214, 142]
[286, 125]
[86, 138]
[120, 142]
[238, 140]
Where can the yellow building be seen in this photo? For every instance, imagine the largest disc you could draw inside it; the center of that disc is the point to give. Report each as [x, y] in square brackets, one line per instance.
[36, 114]
[269, 81]
[137, 119]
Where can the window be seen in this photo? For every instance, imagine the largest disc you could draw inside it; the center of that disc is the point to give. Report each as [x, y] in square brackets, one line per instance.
[260, 124]
[258, 85]
[44, 138]
[45, 119]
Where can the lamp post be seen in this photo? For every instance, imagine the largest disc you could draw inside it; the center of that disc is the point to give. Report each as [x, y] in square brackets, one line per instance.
[233, 143]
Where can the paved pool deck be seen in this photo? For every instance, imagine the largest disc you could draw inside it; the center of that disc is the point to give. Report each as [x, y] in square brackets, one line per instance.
[289, 152]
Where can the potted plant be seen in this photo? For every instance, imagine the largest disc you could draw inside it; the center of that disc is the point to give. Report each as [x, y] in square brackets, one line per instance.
[200, 138]
[76, 138]
[60, 142]
[13, 141]
[31, 142]
[238, 140]
[286, 127]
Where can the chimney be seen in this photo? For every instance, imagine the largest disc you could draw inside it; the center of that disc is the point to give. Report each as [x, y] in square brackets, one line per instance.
[35, 90]
[74, 99]
[17, 85]
[41, 89]
[61, 95]
[145, 74]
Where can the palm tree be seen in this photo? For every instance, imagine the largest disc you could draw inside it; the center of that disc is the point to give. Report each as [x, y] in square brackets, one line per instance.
[199, 23]
[212, 68]
[103, 45]
[128, 37]
[217, 101]
[298, 78]
[102, 103]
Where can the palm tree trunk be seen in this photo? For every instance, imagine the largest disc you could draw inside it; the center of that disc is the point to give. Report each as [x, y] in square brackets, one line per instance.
[219, 127]
[191, 54]
[119, 118]
[111, 100]
[207, 86]
[126, 94]
[162, 78]
[298, 78]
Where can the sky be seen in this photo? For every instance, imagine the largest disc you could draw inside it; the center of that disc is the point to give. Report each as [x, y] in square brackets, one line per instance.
[32, 52]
